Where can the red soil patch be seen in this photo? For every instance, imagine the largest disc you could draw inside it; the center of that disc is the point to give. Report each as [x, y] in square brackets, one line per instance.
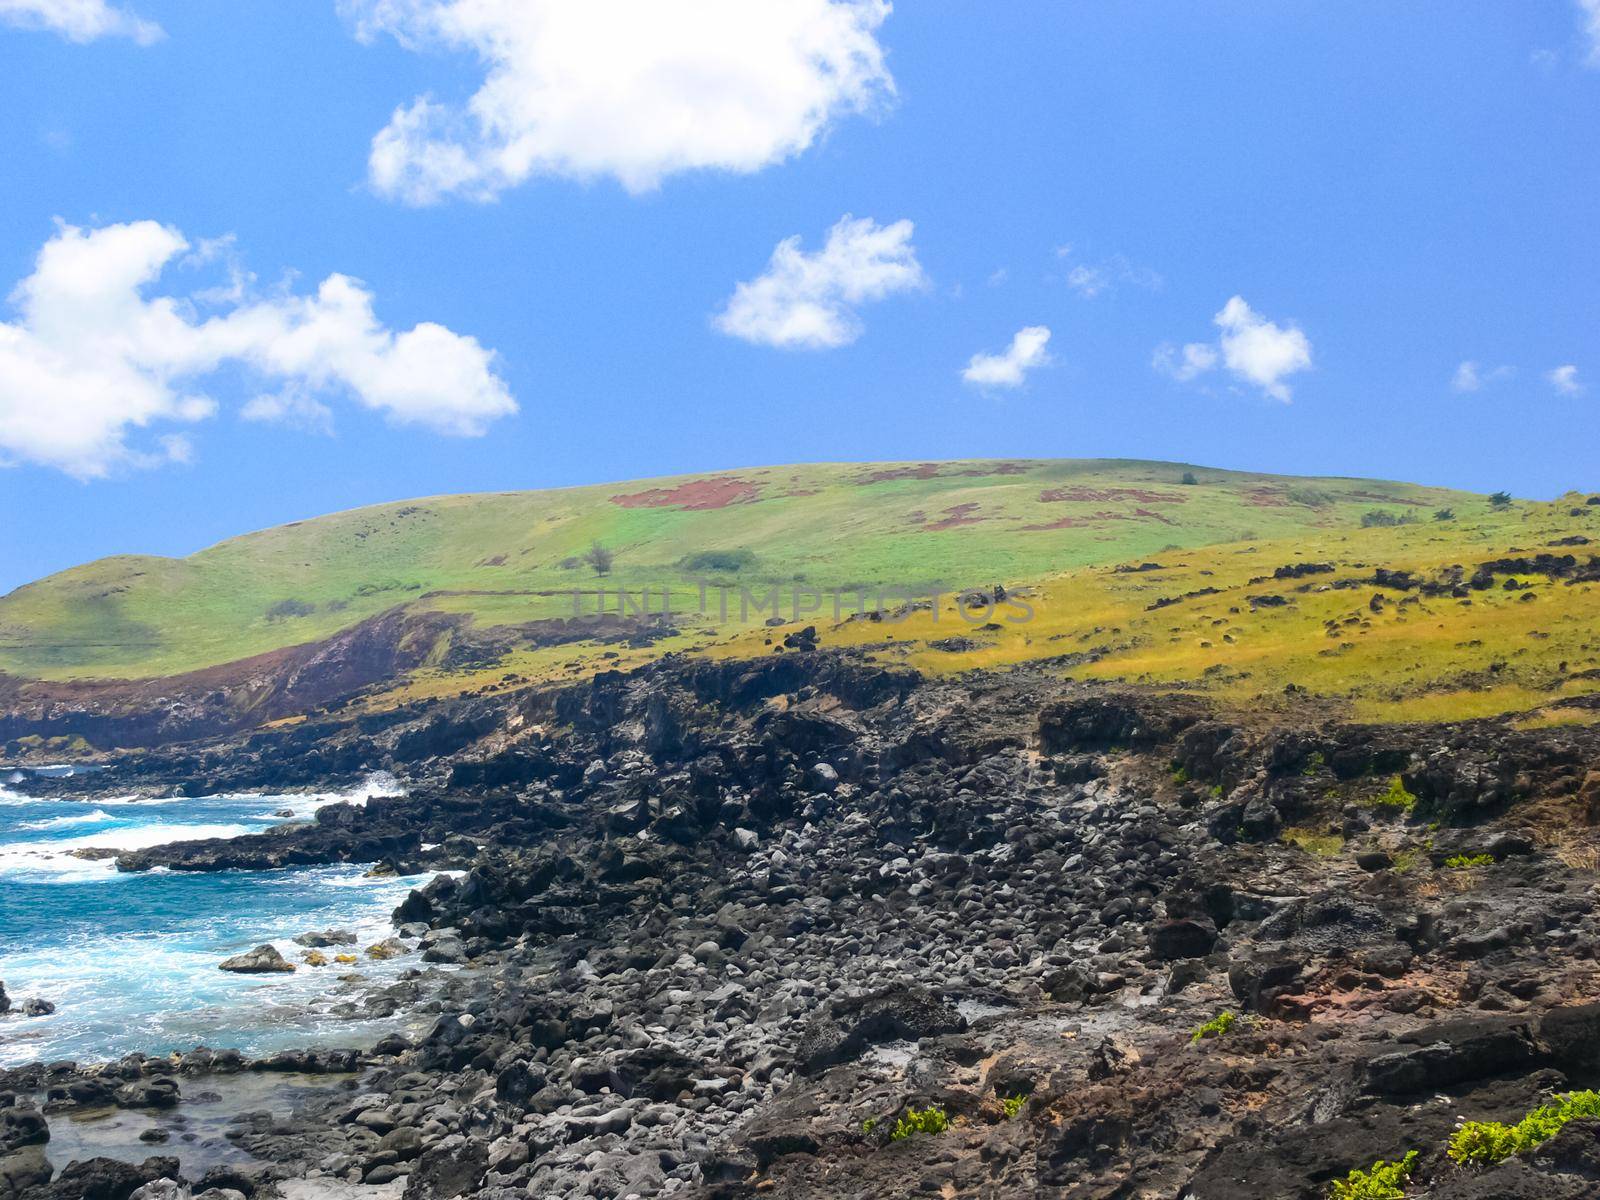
[1266, 498]
[696, 496]
[1382, 499]
[1138, 514]
[958, 514]
[938, 471]
[1088, 495]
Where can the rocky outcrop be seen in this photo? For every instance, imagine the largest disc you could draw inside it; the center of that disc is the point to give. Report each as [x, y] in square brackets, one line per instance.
[263, 960]
[728, 927]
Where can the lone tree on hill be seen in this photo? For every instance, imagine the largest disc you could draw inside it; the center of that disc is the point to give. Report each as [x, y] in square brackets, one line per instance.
[1500, 500]
[600, 558]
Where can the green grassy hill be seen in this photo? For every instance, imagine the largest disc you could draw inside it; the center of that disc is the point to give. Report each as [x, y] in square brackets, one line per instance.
[514, 557]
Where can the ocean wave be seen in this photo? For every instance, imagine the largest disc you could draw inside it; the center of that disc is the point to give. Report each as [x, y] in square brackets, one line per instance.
[97, 817]
[57, 860]
[303, 805]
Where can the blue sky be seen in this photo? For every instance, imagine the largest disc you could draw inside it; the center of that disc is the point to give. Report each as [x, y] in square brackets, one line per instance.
[1392, 191]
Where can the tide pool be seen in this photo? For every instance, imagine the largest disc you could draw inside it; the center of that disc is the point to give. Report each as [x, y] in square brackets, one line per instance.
[130, 960]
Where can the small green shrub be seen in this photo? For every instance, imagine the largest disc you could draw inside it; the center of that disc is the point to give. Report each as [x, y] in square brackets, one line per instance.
[1012, 1105]
[1188, 479]
[1500, 500]
[1323, 845]
[1396, 797]
[926, 1120]
[1463, 862]
[1485, 1143]
[718, 560]
[1381, 1181]
[285, 610]
[1445, 514]
[1311, 497]
[1315, 762]
[1180, 774]
[869, 1125]
[1216, 1027]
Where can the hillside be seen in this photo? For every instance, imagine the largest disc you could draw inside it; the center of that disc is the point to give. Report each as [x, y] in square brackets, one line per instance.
[508, 559]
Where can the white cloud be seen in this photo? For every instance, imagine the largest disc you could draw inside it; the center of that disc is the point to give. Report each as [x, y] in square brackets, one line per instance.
[1091, 279]
[91, 360]
[294, 406]
[1591, 26]
[1565, 380]
[1010, 369]
[79, 20]
[1088, 282]
[808, 301]
[1194, 360]
[632, 89]
[1250, 347]
[1471, 376]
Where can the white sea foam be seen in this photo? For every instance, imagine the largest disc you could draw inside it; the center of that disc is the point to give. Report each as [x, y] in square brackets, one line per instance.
[97, 817]
[57, 859]
[302, 805]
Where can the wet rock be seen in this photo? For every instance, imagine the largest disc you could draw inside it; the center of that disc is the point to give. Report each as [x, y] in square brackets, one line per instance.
[24, 1172]
[263, 960]
[108, 1179]
[21, 1127]
[322, 939]
[148, 1093]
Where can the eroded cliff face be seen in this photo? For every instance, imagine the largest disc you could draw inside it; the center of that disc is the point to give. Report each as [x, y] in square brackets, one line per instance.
[309, 679]
[728, 926]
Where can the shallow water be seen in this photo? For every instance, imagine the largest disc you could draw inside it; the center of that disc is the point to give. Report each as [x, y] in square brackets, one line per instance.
[196, 1131]
[130, 960]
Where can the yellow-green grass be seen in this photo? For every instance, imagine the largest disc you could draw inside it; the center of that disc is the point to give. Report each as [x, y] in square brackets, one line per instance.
[1415, 659]
[509, 558]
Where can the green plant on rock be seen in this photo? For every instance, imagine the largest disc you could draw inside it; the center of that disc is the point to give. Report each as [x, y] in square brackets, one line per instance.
[1484, 1143]
[1465, 862]
[1216, 1027]
[869, 1125]
[1396, 797]
[925, 1120]
[1012, 1105]
[1380, 1181]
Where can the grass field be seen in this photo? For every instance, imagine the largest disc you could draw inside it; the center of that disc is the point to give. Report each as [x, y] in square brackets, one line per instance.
[1216, 619]
[511, 558]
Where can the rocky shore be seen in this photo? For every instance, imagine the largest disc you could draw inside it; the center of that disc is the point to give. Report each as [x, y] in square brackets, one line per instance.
[807, 928]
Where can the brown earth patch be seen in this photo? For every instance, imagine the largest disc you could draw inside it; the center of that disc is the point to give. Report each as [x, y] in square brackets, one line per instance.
[1088, 495]
[1138, 514]
[957, 514]
[696, 496]
[1267, 498]
[938, 471]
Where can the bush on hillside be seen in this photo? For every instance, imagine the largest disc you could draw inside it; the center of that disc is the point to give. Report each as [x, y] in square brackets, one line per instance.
[284, 610]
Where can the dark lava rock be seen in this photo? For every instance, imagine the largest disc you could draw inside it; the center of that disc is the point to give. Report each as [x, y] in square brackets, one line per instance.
[447, 1171]
[1185, 938]
[21, 1127]
[1455, 1052]
[147, 1093]
[847, 1027]
[108, 1179]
